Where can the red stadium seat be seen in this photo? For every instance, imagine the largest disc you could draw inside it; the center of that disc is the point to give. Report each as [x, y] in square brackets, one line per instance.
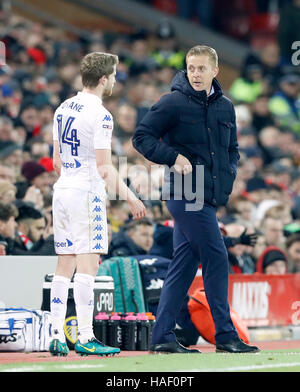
[167, 6]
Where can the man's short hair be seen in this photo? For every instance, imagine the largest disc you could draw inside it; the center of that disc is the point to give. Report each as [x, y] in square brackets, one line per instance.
[200, 50]
[7, 211]
[292, 239]
[95, 65]
[141, 222]
[28, 212]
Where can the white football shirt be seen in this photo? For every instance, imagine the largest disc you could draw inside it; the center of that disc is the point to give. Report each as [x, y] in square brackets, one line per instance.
[81, 125]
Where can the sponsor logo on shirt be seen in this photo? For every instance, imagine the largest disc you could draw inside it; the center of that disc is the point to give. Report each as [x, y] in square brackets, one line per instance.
[63, 244]
[72, 165]
[107, 118]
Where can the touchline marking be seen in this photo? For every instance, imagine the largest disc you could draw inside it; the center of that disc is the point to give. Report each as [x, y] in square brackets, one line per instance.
[237, 368]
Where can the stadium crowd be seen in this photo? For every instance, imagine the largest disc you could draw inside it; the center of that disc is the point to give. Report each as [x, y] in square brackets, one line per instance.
[42, 70]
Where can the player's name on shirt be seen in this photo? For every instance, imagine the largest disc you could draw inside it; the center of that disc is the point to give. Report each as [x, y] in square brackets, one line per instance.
[72, 105]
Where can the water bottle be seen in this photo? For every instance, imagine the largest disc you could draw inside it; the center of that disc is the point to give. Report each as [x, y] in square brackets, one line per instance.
[114, 331]
[151, 319]
[128, 324]
[100, 327]
[142, 332]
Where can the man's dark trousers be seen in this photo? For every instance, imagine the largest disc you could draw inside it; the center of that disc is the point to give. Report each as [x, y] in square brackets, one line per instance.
[197, 238]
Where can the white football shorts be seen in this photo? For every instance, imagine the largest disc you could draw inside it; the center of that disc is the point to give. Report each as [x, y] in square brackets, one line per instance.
[79, 222]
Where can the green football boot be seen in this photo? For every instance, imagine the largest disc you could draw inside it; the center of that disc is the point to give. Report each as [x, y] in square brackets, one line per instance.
[59, 349]
[94, 347]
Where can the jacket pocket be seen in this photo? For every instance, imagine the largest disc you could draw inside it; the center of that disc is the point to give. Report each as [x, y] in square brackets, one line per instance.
[225, 129]
[192, 129]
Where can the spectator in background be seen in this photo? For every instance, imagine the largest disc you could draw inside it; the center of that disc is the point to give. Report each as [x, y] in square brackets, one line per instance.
[12, 154]
[36, 175]
[243, 117]
[273, 261]
[256, 189]
[243, 209]
[136, 238]
[293, 251]
[167, 52]
[285, 103]
[6, 129]
[3, 245]
[8, 214]
[281, 212]
[7, 192]
[28, 118]
[268, 60]
[126, 120]
[273, 231]
[269, 142]
[259, 247]
[118, 214]
[261, 114]
[30, 238]
[7, 172]
[239, 254]
[248, 86]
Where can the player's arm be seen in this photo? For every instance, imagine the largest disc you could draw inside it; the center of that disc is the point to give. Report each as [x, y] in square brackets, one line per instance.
[116, 185]
[56, 157]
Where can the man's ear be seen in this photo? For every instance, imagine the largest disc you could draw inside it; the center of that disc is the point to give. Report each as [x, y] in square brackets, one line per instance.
[216, 72]
[103, 80]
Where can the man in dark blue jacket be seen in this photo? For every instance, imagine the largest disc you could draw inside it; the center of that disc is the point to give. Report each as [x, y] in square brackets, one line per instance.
[192, 131]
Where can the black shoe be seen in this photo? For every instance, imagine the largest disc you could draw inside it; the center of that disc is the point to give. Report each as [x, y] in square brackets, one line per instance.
[172, 348]
[236, 346]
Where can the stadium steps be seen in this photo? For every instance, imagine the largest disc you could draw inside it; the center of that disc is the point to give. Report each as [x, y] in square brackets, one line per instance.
[74, 18]
[81, 16]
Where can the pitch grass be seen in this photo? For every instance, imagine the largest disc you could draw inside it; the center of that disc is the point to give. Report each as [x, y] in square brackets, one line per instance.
[265, 361]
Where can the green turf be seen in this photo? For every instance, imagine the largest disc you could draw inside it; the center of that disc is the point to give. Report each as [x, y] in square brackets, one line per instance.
[265, 361]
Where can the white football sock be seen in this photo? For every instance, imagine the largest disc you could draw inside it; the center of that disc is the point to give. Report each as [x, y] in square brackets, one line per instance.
[58, 305]
[84, 302]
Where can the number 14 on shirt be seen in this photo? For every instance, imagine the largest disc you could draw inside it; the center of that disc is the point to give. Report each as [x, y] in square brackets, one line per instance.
[69, 136]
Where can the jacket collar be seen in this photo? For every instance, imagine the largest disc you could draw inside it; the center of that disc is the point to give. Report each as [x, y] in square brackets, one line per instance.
[182, 84]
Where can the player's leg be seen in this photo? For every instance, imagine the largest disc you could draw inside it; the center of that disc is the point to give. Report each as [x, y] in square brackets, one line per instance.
[84, 278]
[64, 271]
[58, 302]
[86, 270]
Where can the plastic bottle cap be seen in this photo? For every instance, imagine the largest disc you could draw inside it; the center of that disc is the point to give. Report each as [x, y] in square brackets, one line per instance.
[141, 316]
[115, 317]
[102, 316]
[130, 317]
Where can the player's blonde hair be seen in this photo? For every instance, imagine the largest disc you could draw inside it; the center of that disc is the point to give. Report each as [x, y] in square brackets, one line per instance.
[200, 50]
[95, 65]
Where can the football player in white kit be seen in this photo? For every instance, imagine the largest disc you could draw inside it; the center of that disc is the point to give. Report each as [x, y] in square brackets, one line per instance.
[82, 133]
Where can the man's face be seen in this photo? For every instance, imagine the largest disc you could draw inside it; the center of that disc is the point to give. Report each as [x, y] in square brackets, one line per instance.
[36, 229]
[8, 228]
[42, 182]
[200, 72]
[278, 267]
[142, 235]
[110, 82]
[273, 231]
[294, 252]
[32, 228]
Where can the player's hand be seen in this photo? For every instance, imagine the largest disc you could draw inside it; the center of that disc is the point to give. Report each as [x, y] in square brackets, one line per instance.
[183, 165]
[137, 208]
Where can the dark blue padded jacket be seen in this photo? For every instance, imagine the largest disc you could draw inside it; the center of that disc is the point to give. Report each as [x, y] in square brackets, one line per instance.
[200, 127]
